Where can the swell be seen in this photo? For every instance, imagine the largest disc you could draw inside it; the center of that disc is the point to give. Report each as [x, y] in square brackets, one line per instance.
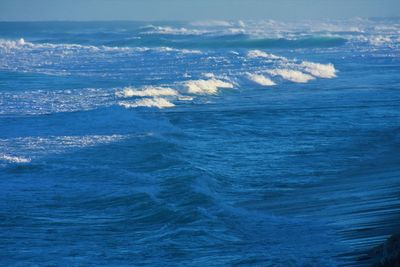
[238, 41]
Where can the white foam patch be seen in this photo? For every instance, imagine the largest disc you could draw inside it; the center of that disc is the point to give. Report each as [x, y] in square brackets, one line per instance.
[156, 102]
[292, 75]
[319, 70]
[14, 159]
[174, 31]
[261, 79]
[185, 98]
[209, 75]
[147, 91]
[11, 44]
[235, 31]
[21, 44]
[380, 40]
[207, 87]
[262, 54]
[241, 23]
[183, 51]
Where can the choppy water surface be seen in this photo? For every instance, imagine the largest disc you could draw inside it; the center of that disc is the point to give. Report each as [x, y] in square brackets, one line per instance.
[205, 143]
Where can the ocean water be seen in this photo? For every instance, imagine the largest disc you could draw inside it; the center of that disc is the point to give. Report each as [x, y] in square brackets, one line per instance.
[210, 143]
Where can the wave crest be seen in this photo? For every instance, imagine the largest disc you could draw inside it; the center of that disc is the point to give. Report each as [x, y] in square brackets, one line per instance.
[156, 102]
[262, 54]
[147, 91]
[260, 79]
[292, 75]
[209, 87]
[14, 159]
[319, 70]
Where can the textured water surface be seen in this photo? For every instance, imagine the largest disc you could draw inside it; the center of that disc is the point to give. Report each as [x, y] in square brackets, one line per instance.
[220, 143]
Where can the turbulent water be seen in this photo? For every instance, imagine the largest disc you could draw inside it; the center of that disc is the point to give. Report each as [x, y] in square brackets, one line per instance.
[213, 143]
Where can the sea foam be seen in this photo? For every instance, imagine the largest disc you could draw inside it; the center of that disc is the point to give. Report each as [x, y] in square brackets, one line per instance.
[156, 102]
[21, 44]
[204, 87]
[174, 31]
[260, 79]
[147, 91]
[319, 70]
[262, 54]
[14, 159]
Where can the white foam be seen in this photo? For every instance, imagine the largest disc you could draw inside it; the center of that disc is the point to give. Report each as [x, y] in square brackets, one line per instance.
[261, 79]
[147, 91]
[175, 31]
[262, 54]
[22, 44]
[210, 86]
[157, 102]
[292, 75]
[11, 44]
[185, 98]
[14, 159]
[241, 24]
[183, 51]
[379, 40]
[234, 31]
[319, 70]
[209, 75]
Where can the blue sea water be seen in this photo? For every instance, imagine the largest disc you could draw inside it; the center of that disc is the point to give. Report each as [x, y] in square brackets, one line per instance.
[210, 143]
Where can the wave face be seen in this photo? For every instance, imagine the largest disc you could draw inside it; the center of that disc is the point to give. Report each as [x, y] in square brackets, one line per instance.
[224, 143]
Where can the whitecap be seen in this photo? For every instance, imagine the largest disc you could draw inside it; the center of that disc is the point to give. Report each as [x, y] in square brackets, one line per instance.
[319, 70]
[210, 86]
[261, 79]
[156, 102]
[147, 91]
[14, 159]
[209, 75]
[292, 75]
[174, 31]
[183, 51]
[66, 48]
[185, 98]
[262, 54]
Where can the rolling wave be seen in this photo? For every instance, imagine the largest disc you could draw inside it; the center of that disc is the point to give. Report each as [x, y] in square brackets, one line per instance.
[238, 40]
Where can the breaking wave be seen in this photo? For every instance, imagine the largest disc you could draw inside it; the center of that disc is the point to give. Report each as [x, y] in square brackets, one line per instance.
[319, 70]
[22, 44]
[174, 31]
[147, 91]
[208, 87]
[260, 79]
[292, 75]
[231, 38]
[156, 102]
[240, 40]
[262, 54]
[14, 159]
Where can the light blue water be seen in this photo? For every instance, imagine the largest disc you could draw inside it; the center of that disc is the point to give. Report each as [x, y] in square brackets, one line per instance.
[205, 143]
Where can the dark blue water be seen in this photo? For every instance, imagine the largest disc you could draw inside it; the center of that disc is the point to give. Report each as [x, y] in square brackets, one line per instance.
[191, 144]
